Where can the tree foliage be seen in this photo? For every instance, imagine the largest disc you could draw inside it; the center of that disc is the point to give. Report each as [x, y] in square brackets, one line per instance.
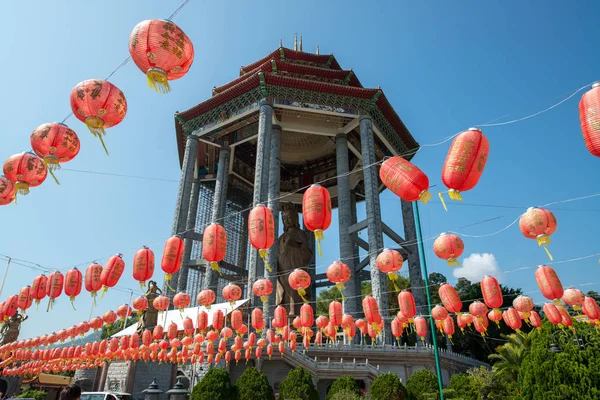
[117, 326]
[298, 385]
[420, 384]
[461, 386]
[485, 385]
[388, 387]
[344, 383]
[253, 384]
[345, 395]
[33, 394]
[510, 356]
[215, 385]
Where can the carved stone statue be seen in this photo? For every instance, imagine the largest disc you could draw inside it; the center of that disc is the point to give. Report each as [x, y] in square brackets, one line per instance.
[149, 317]
[294, 252]
[10, 330]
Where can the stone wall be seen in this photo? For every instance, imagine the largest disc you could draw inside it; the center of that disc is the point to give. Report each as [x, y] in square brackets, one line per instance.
[116, 377]
[276, 371]
[145, 372]
[86, 378]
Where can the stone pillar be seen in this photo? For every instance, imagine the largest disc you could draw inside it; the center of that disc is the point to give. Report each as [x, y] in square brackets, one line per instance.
[373, 208]
[345, 220]
[265, 125]
[188, 243]
[356, 257]
[274, 193]
[218, 212]
[184, 193]
[414, 261]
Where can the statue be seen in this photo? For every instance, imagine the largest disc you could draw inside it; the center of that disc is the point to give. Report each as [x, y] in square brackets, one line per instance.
[149, 318]
[294, 252]
[10, 330]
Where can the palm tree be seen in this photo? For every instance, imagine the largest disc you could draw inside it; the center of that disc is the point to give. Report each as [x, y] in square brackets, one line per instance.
[510, 356]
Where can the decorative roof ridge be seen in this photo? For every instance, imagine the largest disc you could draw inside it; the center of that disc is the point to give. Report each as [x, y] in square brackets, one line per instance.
[282, 53]
[343, 88]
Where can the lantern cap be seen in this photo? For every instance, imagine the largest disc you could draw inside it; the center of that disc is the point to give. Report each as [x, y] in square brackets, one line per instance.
[595, 84]
[475, 129]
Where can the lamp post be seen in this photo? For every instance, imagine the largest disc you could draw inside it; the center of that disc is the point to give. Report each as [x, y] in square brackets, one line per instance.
[153, 392]
[561, 339]
[179, 392]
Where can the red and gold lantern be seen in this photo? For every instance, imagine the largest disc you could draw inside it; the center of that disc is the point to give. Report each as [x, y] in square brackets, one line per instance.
[124, 311]
[99, 104]
[161, 303]
[96, 323]
[535, 320]
[171, 258]
[335, 313]
[218, 320]
[232, 293]
[25, 170]
[511, 319]
[93, 281]
[439, 313]
[262, 288]
[25, 299]
[406, 301]
[590, 308]
[307, 318]
[421, 327]
[538, 223]
[481, 324]
[316, 211]
[449, 247]
[589, 116]
[574, 298]
[261, 231]
[390, 262]
[73, 283]
[181, 301]
[448, 327]
[338, 273]
[279, 318]
[109, 317]
[7, 191]
[524, 305]
[450, 298]
[54, 143]
[214, 245]
[551, 312]
[143, 265]
[492, 293]
[549, 284]
[140, 304]
[258, 320]
[299, 280]
[478, 310]
[202, 322]
[11, 306]
[495, 315]
[371, 310]
[206, 298]
[54, 287]
[111, 273]
[162, 51]
[405, 180]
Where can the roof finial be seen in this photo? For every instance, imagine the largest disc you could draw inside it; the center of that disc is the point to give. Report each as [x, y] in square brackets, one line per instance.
[300, 42]
[280, 42]
[295, 42]
[317, 49]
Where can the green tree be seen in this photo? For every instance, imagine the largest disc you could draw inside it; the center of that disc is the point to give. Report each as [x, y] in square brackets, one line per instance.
[420, 384]
[33, 394]
[253, 385]
[117, 326]
[510, 356]
[488, 386]
[215, 385]
[388, 387]
[594, 295]
[461, 385]
[346, 395]
[298, 385]
[344, 383]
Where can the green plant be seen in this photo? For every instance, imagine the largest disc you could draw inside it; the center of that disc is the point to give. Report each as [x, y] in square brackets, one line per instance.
[298, 385]
[215, 385]
[487, 385]
[344, 383]
[117, 326]
[33, 394]
[388, 387]
[421, 383]
[461, 386]
[253, 385]
[345, 395]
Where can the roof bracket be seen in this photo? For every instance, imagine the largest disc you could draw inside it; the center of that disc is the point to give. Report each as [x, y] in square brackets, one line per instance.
[263, 86]
[281, 53]
[348, 77]
[373, 100]
[328, 63]
[274, 66]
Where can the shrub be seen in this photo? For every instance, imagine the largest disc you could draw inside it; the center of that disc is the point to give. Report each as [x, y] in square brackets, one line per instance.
[33, 394]
[388, 387]
[253, 385]
[344, 383]
[215, 385]
[298, 385]
[421, 383]
[462, 387]
[345, 395]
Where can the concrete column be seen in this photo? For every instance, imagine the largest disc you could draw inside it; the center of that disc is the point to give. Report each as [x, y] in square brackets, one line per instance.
[414, 261]
[345, 220]
[356, 257]
[184, 193]
[273, 204]
[373, 208]
[210, 280]
[188, 243]
[265, 125]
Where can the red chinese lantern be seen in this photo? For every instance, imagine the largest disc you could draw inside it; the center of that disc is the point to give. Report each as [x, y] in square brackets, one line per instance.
[143, 265]
[465, 162]
[261, 231]
[161, 303]
[73, 281]
[26, 170]
[565, 317]
[448, 327]
[11, 306]
[54, 143]
[54, 287]
[396, 328]
[111, 273]
[162, 51]
[335, 313]
[549, 284]
[214, 245]
[99, 104]
[371, 310]
[492, 293]
[316, 211]
[157, 333]
[439, 313]
[511, 319]
[25, 299]
[124, 311]
[449, 247]
[495, 315]
[181, 301]
[524, 305]
[202, 321]
[93, 283]
[535, 320]
[573, 297]
[450, 298]
[218, 320]
[109, 317]
[551, 312]
[258, 320]
[262, 288]
[481, 325]
[589, 116]
[140, 304]
[279, 318]
[206, 298]
[406, 301]
[590, 308]
[83, 328]
[299, 280]
[338, 273]
[237, 321]
[389, 262]
[421, 327]
[307, 318]
[171, 258]
[478, 310]
[232, 293]
[96, 323]
[405, 180]
[7, 191]
[538, 223]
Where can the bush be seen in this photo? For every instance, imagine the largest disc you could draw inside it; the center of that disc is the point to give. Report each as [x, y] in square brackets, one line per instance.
[345, 395]
[298, 385]
[33, 394]
[388, 387]
[344, 383]
[215, 385]
[253, 385]
[420, 384]
[462, 387]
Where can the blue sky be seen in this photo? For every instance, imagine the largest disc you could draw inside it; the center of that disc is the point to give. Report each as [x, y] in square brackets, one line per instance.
[443, 66]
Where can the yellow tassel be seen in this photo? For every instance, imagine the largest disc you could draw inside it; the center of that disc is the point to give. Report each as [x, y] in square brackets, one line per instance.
[264, 299]
[450, 338]
[558, 303]
[263, 255]
[215, 267]
[454, 195]
[302, 293]
[425, 196]
[548, 252]
[393, 277]
[441, 195]
[96, 126]
[168, 280]
[341, 288]
[319, 236]
[104, 290]
[52, 163]
[21, 188]
[72, 298]
[453, 262]
[157, 79]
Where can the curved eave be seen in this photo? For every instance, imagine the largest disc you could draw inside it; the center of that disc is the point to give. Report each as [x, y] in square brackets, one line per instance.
[324, 59]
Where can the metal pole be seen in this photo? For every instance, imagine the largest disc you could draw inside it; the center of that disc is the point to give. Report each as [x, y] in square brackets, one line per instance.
[426, 279]
[5, 274]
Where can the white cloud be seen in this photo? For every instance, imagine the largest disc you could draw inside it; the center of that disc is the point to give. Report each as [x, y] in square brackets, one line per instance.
[476, 266]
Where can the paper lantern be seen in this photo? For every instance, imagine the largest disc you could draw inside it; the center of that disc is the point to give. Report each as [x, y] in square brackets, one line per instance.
[111, 273]
[405, 180]
[590, 308]
[573, 297]
[449, 247]
[54, 143]
[589, 116]
[236, 320]
[93, 283]
[262, 288]
[54, 287]
[143, 265]
[481, 325]
[421, 327]
[538, 223]
[338, 273]
[261, 231]
[492, 293]
[396, 329]
[406, 301]
[258, 320]
[307, 316]
[181, 301]
[524, 305]
[124, 311]
[549, 283]
[7, 191]
[202, 321]
[535, 320]
[25, 170]
[335, 313]
[316, 211]
[551, 312]
[299, 280]
[495, 315]
[140, 304]
[448, 327]
[83, 328]
[478, 310]
[171, 258]
[11, 306]
[565, 317]
[511, 319]
[161, 303]
[279, 318]
[218, 320]
[450, 298]
[390, 262]
[162, 51]
[465, 162]
[214, 245]
[157, 333]
[25, 299]
[96, 323]
[371, 310]
[206, 298]
[232, 293]
[109, 317]
[99, 104]
[73, 283]
[439, 313]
